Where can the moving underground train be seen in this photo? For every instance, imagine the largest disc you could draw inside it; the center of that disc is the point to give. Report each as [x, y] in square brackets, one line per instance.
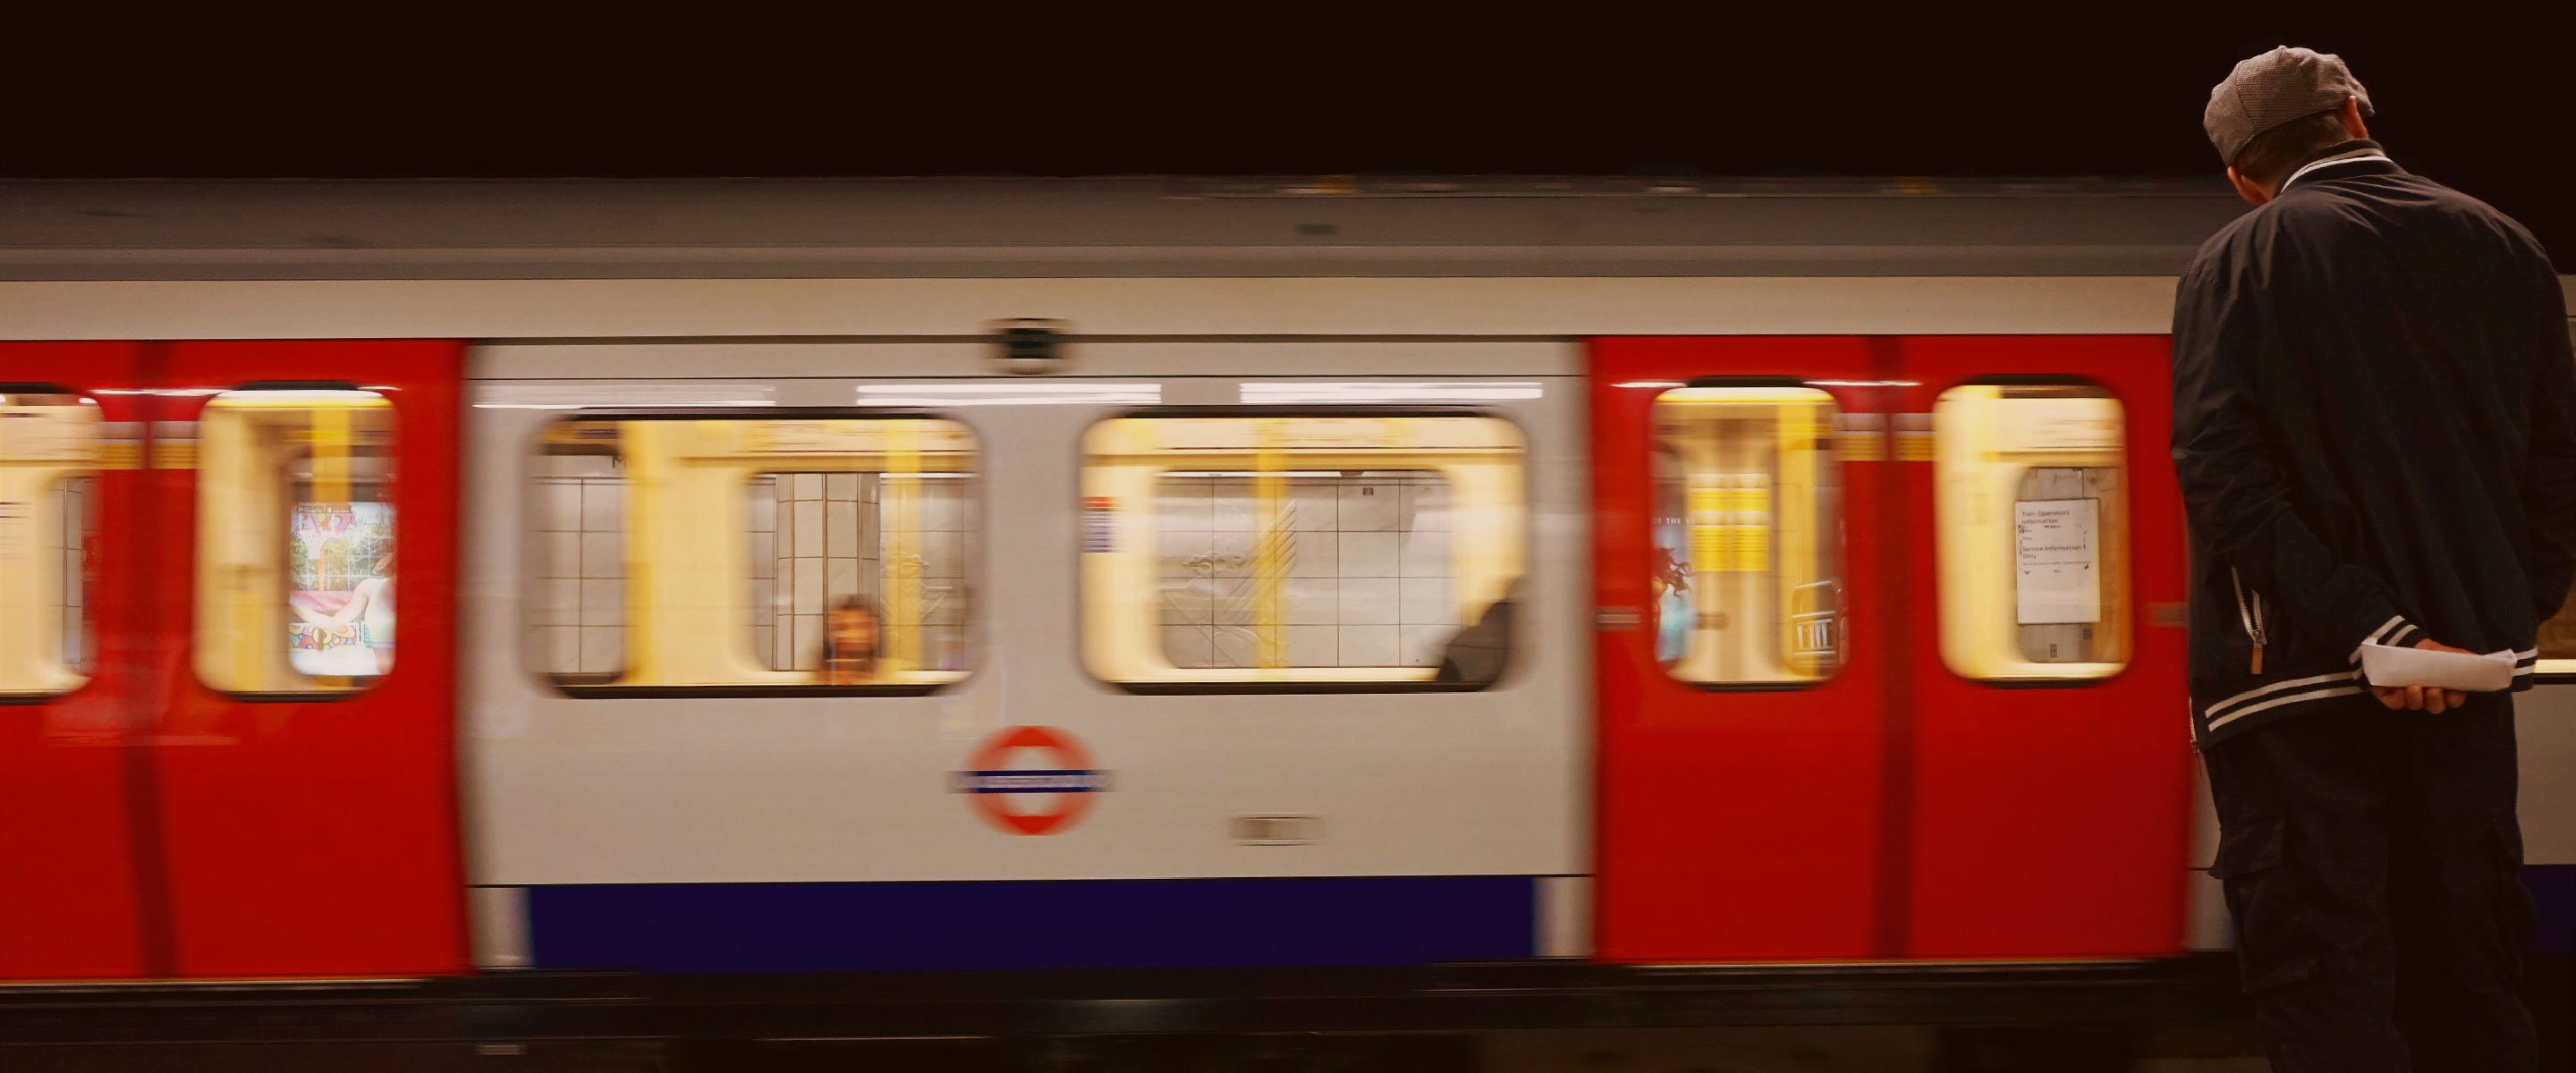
[422, 579]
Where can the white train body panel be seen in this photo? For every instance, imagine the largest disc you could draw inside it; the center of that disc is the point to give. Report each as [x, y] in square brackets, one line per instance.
[675, 790]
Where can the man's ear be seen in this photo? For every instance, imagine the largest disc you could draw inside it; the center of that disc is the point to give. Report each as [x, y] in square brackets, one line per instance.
[2253, 192]
[2352, 123]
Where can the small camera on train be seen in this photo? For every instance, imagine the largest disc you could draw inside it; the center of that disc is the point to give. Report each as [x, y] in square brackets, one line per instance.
[1029, 347]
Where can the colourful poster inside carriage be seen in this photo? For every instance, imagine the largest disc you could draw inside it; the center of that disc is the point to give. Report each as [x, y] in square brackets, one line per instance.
[341, 568]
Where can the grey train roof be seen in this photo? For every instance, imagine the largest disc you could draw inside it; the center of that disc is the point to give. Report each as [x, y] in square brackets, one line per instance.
[1117, 227]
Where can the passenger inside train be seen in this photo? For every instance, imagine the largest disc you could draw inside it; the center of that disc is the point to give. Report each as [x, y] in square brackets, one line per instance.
[849, 654]
[1477, 654]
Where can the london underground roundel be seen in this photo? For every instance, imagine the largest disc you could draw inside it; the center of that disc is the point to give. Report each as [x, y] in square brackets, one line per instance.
[1030, 780]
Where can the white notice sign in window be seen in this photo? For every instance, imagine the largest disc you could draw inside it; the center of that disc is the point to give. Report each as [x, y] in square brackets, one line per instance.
[2057, 560]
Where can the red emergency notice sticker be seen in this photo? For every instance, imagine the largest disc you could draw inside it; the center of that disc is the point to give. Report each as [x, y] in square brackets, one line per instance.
[1099, 523]
[1041, 799]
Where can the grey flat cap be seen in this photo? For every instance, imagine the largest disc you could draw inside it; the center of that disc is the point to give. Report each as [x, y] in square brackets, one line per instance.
[2275, 88]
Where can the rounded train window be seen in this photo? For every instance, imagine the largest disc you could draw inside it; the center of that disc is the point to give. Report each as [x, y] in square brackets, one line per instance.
[50, 452]
[297, 582]
[2031, 506]
[1232, 553]
[1746, 535]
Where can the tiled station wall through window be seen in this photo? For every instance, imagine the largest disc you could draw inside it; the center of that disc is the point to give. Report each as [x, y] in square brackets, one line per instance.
[818, 538]
[1367, 570]
[580, 615]
[814, 541]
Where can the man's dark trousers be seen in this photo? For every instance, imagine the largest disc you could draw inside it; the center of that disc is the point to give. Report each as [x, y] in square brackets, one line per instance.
[2373, 864]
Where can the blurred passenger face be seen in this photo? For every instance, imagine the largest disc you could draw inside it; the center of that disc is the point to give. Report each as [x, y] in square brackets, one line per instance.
[854, 631]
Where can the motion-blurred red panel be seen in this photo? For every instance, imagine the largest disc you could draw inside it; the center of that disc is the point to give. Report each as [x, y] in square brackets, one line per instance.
[1733, 825]
[2051, 821]
[69, 905]
[318, 837]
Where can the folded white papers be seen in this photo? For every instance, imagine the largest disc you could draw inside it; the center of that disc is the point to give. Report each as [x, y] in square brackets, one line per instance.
[2386, 666]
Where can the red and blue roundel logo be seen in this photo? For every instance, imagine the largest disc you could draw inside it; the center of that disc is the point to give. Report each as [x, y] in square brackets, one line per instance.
[1037, 798]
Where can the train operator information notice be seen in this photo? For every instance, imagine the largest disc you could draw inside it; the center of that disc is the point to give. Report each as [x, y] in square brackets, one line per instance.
[2057, 561]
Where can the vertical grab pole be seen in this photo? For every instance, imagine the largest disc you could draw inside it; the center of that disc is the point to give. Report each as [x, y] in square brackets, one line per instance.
[902, 492]
[330, 453]
[329, 450]
[1705, 505]
[234, 471]
[1270, 550]
[1794, 553]
[644, 452]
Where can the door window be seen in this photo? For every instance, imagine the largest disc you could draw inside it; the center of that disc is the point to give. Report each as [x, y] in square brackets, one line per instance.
[49, 447]
[1746, 567]
[296, 576]
[2031, 509]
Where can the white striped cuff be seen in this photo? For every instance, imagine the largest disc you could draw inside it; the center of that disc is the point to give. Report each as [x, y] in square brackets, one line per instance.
[2394, 633]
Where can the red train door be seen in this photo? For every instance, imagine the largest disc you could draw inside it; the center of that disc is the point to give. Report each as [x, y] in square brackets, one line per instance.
[303, 751]
[216, 759]
[69, 420]
[1735, 537]
[2050, 785]
[1961, 737]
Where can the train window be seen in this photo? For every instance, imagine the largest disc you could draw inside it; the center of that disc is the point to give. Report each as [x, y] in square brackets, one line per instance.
[49, 445]
[1747, 528]
[2033, 531]
[832, 549]
[1225, 553]
[295, 542]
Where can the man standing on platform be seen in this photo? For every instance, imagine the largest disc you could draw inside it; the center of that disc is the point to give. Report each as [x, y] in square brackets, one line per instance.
[2375, 427]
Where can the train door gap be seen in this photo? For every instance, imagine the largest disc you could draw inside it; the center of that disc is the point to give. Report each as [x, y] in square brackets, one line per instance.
[1895, 866]
[151, 664]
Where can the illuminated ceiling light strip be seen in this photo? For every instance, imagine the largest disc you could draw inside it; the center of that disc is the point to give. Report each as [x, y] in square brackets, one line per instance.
[584, 396]
[1384, 392]
[1009, 394]
[942, 401]
[303, 394]
[972, 387]
[613, 404]
[1248, 474]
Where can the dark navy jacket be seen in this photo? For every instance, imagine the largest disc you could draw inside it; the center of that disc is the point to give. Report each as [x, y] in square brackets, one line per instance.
[2375, 426]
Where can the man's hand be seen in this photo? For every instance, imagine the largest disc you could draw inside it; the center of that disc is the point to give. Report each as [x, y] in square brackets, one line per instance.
[2418, 698]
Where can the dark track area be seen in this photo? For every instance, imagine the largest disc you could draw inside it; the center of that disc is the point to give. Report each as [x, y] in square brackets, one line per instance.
[1460, 1017]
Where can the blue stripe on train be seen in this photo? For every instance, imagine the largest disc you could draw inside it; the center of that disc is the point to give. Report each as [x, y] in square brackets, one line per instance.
[1110, 923]
[755, 927]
